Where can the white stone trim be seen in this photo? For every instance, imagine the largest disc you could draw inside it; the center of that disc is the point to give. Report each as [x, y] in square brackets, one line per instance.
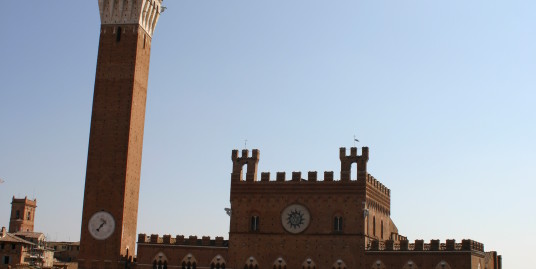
[143, 12]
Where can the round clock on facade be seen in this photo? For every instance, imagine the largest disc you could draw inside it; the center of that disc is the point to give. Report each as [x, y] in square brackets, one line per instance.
[295, 218]
[101, 225]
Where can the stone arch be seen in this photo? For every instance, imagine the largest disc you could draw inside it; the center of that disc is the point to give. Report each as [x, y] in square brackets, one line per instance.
[280, 263]
[339, 264]
[443, 265]
[378, 265]
[217, 262]
[189, 262]
[160, 261]
[308, 264]
[410, 265]
[251, 263]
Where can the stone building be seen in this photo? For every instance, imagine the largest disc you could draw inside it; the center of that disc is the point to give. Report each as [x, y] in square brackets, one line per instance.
[306, 222]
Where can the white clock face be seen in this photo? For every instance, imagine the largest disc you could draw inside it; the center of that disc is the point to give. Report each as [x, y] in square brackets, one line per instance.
[101, 225]
[295, 218]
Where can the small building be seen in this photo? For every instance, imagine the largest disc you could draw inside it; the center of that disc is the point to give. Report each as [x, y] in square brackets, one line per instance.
[65, 252]
[13, 250]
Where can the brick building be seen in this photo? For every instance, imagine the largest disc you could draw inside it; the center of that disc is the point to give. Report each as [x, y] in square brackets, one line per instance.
[306, 222]
[24, 250]
[22, 215]
[301, 222]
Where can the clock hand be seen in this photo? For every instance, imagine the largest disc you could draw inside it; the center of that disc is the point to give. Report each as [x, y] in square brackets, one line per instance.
[102, 224]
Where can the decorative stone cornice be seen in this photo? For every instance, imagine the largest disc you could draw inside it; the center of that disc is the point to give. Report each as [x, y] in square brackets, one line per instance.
[142, 12]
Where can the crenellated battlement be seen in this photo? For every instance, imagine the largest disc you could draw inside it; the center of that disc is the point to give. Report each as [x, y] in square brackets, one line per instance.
[419, 245]
[192, 240]
[374, 183]
[25, 200]
[347, 159]
[143, 12]
[312, 176]
[239, 162]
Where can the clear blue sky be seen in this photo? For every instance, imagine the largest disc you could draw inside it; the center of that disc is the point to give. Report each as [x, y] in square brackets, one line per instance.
[443, 93]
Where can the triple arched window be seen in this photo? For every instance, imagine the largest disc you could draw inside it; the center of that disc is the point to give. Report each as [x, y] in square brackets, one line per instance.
[217, 263]
[189, 262]
[280, 263]
[251, 263]
[159, 264]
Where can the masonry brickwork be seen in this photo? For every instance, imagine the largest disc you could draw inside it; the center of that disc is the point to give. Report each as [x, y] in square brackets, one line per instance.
[349, 226]
[299, 221]
[22, 215]
[116, 135]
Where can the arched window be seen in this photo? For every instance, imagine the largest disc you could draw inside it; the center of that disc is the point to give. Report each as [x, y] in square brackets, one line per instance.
[251, 263]
[255, 223]
[29, 215]
[243, 172]
[353, 168]
[118, 34]
[381, 230]
[443, 265]
[189, 262]
[378, 265]
[280, 263]
[17, 214]
[217, 262]
[337, 224]
[308, 264]
[339, 264]
[160, 261]
[374, 225]
[410, 265]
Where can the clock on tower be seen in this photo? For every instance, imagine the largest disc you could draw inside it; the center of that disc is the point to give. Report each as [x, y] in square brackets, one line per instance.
[110, 213]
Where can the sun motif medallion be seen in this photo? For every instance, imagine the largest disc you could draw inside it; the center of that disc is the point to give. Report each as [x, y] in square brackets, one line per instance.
[295, 218]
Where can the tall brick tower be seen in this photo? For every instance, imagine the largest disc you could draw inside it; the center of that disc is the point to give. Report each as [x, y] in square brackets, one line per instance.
[109, 218]
[22, 215]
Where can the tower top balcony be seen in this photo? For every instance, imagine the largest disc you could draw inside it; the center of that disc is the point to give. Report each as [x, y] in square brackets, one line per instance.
[142, 12]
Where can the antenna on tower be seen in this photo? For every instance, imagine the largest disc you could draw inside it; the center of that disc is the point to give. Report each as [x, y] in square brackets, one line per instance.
[245, 144]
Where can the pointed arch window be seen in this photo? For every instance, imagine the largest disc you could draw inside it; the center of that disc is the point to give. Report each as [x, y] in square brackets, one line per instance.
[308, 264]
[255, 223]
[280, 263]
[339, 264]
[189, 262]
[160, 261]
[251, 263]
[378, 265]
[337, 224]
[217, 262]
[410, 265]
[374, 225]
[118, 34]
[381, 229]
[443, 265]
